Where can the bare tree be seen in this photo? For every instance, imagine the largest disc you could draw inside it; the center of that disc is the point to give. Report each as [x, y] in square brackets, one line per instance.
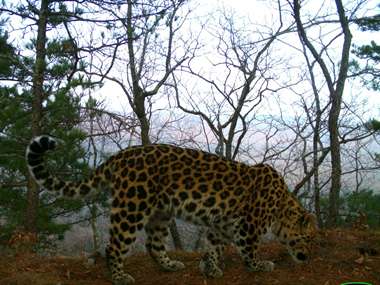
[358, 155]
[147, 52]
[314, 117]
[335, 88]
[243, 75]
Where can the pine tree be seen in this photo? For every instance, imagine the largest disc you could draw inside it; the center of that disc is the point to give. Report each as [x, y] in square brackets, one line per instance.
[368, 54]
[39, 75]
[367, 67]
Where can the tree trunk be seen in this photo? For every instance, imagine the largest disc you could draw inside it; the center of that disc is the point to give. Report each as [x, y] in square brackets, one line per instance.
[94, 214]
[336, 102]
[317, 204]
[316, 140]
[38, 96]
[139, 101]
[336, 169]
[32, 203]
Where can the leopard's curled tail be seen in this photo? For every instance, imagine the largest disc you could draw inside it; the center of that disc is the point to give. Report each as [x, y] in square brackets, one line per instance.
[35, 160]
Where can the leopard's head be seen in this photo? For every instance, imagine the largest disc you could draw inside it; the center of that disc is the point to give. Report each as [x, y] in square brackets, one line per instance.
[298, 234]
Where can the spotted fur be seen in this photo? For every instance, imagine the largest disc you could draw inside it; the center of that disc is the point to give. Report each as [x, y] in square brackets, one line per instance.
[152, 184]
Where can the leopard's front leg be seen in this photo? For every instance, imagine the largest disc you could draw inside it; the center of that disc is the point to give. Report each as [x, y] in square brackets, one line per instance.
[247, 243]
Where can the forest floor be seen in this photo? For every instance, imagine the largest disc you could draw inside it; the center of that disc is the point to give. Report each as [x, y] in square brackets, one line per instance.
[340, 256]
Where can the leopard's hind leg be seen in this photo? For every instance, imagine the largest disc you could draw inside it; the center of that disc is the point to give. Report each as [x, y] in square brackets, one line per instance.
[211, 261]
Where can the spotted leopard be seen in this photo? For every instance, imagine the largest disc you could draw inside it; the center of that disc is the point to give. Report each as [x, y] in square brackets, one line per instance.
[153, 184]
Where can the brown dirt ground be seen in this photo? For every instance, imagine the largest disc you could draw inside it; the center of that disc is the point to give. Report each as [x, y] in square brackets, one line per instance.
[336, 259]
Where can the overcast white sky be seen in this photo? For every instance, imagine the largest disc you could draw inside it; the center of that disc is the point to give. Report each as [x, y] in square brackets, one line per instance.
[257, 11]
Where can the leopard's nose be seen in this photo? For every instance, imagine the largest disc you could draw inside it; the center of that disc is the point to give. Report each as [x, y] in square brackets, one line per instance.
[301, 256]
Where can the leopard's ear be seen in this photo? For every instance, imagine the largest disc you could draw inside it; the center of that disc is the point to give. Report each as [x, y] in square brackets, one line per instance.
[308, 221]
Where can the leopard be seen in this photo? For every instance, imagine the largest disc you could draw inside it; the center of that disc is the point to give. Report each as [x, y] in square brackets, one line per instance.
[151, 185]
